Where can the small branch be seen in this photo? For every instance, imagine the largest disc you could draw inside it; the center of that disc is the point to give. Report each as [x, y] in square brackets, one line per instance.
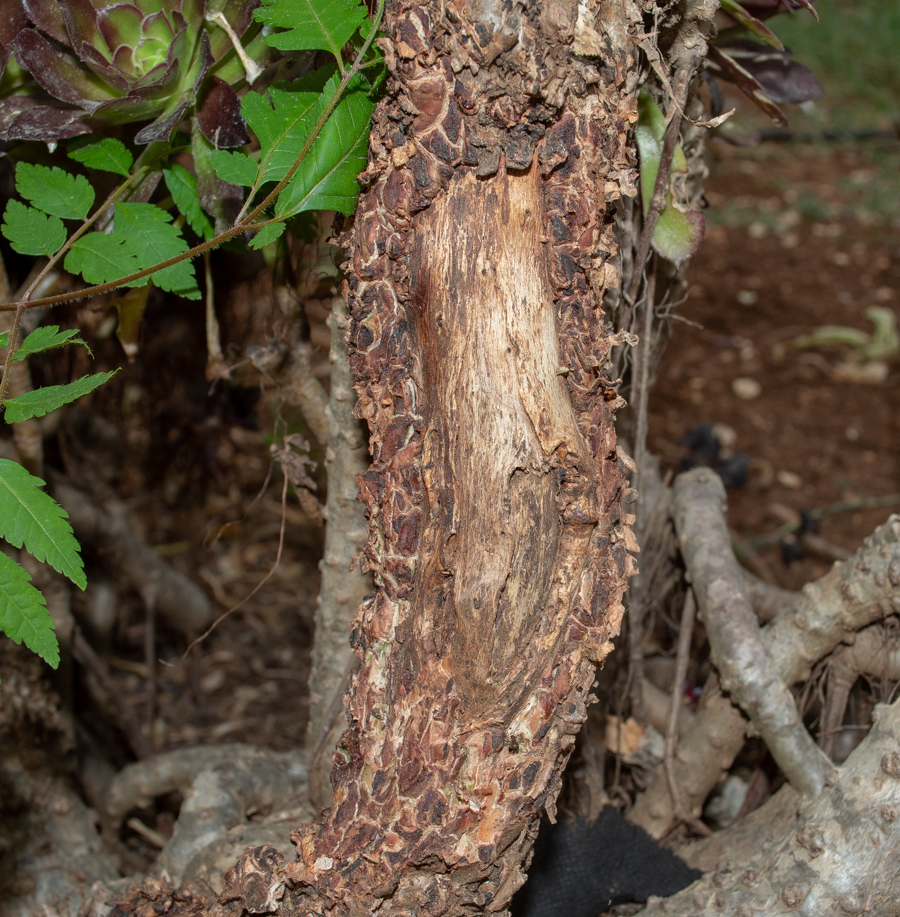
[289, 366]
[342, 589]
[682, 658]
[852, 595]
[768, 601]
[842, 675]
[745, 668]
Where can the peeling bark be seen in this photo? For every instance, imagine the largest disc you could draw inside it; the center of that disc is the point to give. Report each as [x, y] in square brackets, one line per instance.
[478, 260]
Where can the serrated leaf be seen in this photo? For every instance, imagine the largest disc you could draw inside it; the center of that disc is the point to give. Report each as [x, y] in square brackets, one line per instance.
[107, 154]
[182, 186]
[31, 232]
[23, 612]
[102, 258]
[46, 338]
[4, 339]
[266, 235]
[155, 239]
[235, 168]
[143, 236]
[44, 400]
[55, 191]
[312, 25]
[326, 179]
[33, 519]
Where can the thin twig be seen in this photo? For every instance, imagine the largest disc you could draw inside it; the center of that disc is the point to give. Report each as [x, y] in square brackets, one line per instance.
[841, 506]
[682, 658]
[258, 586]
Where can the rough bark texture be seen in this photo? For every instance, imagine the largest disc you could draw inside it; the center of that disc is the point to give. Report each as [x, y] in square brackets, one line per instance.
[478, 260]
[342, 589]
[838, 857]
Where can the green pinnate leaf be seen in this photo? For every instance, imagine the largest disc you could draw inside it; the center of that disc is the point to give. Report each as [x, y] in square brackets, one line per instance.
[46, 338]
[55, 191]
[154, 239]
[23, 612]
[31, 232]
[44, 400]
[182, 186]
[312, 25]
[282, 124]
[102, 258]
[106, 154]
[143, 236]
[284, 121]
[326, 178]
[267, 234]
[4, 339]
[235, 168]
[31, 518]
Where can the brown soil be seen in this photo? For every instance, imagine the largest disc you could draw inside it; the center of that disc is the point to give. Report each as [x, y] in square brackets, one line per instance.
[797, 237]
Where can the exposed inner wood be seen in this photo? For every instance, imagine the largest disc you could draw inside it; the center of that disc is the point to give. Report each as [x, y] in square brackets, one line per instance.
[501, 424]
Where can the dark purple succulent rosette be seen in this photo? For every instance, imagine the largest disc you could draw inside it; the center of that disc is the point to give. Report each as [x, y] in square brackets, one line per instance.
[94, 64]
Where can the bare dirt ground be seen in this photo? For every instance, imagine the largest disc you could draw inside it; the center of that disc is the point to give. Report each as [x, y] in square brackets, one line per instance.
[798, 236]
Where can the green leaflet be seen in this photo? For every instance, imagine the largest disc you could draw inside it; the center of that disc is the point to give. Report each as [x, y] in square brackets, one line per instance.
[44, 400]
[182, 186]
[31, 232]
[45, 338]
[55, 191]
[326, 179]
[325, 25]
[143, 236]
[266, 235]
[31, 518]
[283, 120]
[106, 154]
[235, 168]
[679, 230]
[23, 612]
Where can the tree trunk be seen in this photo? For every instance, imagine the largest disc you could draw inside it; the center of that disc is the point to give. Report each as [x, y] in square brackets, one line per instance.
[479, 258]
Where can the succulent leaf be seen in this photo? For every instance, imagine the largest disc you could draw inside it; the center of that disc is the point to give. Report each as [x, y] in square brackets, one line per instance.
[57, 74]
[120, 24]
[121, 62]
[218, 112]
[47, 17]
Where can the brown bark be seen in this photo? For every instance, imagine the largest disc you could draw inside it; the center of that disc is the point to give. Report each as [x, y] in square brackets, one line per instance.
[478, 260]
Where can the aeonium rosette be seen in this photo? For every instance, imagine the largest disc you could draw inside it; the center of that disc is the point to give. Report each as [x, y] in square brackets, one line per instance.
[94, 63]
